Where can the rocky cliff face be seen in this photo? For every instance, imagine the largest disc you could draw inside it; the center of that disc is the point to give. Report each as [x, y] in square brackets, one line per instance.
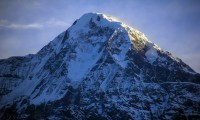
[99, 68]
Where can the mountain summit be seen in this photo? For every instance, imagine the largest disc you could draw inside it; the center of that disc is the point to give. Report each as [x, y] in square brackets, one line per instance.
[99, 68]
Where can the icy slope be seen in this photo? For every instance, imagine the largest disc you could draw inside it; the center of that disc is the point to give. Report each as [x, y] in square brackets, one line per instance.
[99, 68]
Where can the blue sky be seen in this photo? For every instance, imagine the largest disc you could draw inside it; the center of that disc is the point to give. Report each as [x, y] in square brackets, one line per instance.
[27, 25]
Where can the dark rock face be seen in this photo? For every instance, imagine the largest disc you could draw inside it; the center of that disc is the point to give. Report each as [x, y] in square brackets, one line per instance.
[99, 68]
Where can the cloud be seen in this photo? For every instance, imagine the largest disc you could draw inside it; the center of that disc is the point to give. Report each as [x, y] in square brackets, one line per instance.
[49, 23]
[25, 26]
[6, 24]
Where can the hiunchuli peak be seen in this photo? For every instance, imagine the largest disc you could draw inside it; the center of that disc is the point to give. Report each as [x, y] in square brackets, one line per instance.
[99, 68]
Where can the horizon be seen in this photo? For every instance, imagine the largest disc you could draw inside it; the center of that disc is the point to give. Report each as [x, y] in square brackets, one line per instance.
[172, 25]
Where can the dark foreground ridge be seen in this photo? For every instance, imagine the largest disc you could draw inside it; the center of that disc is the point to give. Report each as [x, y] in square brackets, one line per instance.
[99, 68]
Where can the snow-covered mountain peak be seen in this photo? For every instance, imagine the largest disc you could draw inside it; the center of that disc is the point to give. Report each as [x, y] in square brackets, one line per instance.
[98, 68]
[100, 19]
[92, 20]
[96, 21]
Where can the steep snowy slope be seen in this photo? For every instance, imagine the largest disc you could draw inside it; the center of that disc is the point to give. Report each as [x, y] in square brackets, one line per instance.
[99, 68]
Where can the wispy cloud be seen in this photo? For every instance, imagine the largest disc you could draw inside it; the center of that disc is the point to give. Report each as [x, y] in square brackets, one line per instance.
[25, 26]
[6, 24]
[49, 23]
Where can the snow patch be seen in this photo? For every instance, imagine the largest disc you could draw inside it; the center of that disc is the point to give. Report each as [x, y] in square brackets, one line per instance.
[86, 57]
[151, 55]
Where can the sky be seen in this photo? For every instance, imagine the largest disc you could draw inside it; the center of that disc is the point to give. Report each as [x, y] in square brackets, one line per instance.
[174, 25]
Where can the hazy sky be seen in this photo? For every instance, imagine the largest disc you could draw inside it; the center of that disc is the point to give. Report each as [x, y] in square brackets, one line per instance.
[27, 25]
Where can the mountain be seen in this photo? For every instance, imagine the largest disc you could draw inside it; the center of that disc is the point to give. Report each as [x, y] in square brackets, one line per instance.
[99, 68]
